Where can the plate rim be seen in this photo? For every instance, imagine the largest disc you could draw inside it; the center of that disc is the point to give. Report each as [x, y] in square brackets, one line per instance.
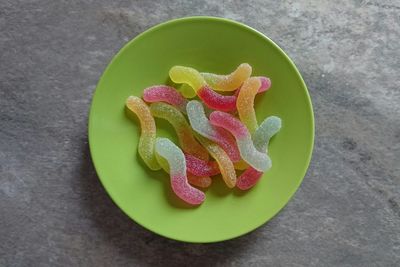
[216, 19]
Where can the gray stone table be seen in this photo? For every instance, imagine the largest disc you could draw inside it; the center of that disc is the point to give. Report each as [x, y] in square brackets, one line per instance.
[53, 209]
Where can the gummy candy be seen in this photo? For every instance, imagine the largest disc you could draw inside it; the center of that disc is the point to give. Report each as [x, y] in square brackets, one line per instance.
[225, 164]
[201, 125]
[187, 91]
[200, 167]
[200, 181]
[241, 165]
[211, 99]
[233, 143]
[265, 85]
[148, 131]
[258, 160]
[268, 128]
[228, 82]
[248, 178]
[182, 128]
[177, 168]
[164, 93]
[245, 103]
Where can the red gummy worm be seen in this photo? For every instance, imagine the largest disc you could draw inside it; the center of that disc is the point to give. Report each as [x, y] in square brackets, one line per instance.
[248, 178]
[217, 101]
[201, 167]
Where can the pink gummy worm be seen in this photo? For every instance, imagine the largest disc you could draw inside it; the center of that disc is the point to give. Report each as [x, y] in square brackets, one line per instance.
[265, 85]
[186, 192]
[229, 122]
[248, 178]
[201, 167]
[227, 143]
[164, 93]
[217, 101]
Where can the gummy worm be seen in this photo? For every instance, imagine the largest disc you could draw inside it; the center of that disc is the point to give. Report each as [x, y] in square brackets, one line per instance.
[228, 82]
[225, 164]
[201, 125]
[177, 168]
[200, 181]
[258, 160]
[148, 131]
[164, 93]
[265, 85]
[268, 128]
[182, 128]
[245, 103]
[210, 98]
[201, 167]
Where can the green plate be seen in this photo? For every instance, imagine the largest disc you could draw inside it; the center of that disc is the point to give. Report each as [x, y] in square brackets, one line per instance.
[212, 45]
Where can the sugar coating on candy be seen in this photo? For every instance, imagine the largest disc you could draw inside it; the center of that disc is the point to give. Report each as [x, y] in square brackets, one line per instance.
[258, 160]
[185, 135]
[148, 131]
[248, 178]
[201, 167]
[187, 91]
[164, 93]
[201, 125]
[265, 85]
[211, 99]
[225, 164]
[177, 168]
[230, 123]
[199, 181]
[245, 103]
[228, 82]
[180, 74]
[217, 101]
[268, 128]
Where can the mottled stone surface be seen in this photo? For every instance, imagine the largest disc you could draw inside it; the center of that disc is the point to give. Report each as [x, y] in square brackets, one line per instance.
[53, 210]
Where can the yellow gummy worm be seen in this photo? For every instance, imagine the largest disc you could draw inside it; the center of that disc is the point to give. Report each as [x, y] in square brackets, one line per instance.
[185, 135]
[147, 138]
[245, 103]
[228, 82]
[187, 91]
[224, 162]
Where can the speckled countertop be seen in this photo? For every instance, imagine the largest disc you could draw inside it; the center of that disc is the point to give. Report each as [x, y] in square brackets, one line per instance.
[53, 210]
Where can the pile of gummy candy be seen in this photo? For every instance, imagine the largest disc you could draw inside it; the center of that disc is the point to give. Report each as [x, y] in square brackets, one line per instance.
[227, 129]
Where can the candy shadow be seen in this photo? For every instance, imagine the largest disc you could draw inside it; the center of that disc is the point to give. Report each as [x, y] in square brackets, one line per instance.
[218, 187]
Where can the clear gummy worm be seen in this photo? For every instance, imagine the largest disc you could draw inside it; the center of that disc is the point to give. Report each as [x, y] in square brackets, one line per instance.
[182, 128]
[268, 128]
[258, 160]
[200, 181]
[201, 125]
[177, 169]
